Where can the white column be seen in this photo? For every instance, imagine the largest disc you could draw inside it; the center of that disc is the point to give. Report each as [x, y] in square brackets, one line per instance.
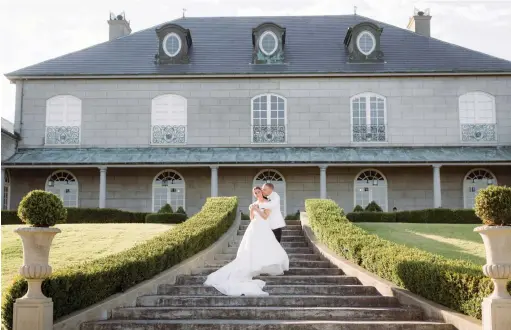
[214, 181]
[437, 190]
[102, 187]
[322, 181]
[3, 182]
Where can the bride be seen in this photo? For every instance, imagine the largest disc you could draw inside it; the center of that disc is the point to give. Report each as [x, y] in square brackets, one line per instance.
[259, 253]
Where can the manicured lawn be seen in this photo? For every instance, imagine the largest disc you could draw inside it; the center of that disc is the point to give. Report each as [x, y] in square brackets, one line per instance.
[77, 243]
[454, 241]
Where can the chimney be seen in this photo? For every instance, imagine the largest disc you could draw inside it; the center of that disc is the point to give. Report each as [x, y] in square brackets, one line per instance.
[118, 26]
[420, 23]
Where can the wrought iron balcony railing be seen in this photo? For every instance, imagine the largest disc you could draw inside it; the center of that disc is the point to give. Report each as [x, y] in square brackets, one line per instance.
[168, 134]
[478, 132]
[369, 133]
[62, 135]
[269, 134]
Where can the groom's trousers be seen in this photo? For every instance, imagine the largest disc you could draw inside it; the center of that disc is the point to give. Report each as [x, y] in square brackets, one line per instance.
[278, 233]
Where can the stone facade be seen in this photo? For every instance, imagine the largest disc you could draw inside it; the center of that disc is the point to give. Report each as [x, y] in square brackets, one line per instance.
[131, 189]
[420, 111]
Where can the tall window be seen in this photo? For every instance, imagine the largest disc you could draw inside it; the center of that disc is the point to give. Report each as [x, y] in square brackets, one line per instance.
[475, 180]
[63, 120]
[279, 184]
[64, 185]
[6, 203]
[477, 117]
[168, 188]
[269, 119]
[368, 118]
[168, 119]
[371, 185]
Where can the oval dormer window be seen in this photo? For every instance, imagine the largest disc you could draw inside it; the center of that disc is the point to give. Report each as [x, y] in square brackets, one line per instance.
[172, 44]
[268, 43]
[366, 42]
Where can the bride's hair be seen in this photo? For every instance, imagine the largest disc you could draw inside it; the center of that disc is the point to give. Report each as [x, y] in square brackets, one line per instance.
[260, 189]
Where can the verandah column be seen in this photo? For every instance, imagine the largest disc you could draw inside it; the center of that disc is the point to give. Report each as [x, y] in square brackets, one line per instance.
[214, 181]
[322, 181]
[437, 189]
[102, 187]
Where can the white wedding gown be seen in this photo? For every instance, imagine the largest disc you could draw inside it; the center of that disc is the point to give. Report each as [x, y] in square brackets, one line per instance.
[259, 253]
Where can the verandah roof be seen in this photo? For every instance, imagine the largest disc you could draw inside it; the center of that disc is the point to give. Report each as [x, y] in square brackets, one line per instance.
[257, 155]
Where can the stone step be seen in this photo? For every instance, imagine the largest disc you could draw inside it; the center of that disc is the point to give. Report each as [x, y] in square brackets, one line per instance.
[280, 280]
[262, 325]
[291, 227]
[292, 256]
[284, 233]
[293, 264]
[268, 313]
[326, 290]
[285, 245]
[289, 250]
[288, 222]
[291, 271]
[284, 238]
[268, 301]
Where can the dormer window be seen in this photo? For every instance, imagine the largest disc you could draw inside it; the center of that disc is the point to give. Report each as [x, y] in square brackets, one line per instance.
[175, 44]
[362, 43]
[366, 42]
[171, 44]
[268, 40]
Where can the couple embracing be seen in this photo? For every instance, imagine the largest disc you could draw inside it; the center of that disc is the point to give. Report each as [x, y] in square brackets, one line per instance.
[259, 252]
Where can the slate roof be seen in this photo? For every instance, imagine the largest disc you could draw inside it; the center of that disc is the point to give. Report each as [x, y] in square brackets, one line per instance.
[223, 45]
[258, 155]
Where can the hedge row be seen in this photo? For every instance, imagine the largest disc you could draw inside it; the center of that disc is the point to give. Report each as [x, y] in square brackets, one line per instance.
[467, 216]
[165, 218]
[456, 284]
[295, 216]
[85, 284]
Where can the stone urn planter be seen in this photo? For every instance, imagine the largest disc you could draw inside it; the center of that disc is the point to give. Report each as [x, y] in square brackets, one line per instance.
[493, 206]
[41, 210]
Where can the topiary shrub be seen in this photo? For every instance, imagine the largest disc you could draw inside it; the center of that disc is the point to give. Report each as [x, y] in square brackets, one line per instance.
[295, 216]
[493, 205]
[166, 209]
[358, 208]
[181, 210]
[165, 218]
[40, 208]
[245, 216]
[373, 207]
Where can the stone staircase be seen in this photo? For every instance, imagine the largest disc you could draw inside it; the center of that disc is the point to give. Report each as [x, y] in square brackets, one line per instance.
[312, 295]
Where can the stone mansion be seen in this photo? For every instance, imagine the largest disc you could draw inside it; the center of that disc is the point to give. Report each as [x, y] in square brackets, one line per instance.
[340, 107]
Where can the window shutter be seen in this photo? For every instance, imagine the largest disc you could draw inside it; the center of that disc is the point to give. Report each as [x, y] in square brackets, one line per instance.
[169, 110]
[56, 111]
[73, 111]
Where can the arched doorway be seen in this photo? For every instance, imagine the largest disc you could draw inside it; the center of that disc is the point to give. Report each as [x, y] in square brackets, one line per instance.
[65, 185]
[278, 181]
[475, 180]
[168, 187]
[371, 185]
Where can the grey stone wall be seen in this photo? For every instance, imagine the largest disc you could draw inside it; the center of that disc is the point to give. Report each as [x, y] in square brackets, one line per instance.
[130, 189]
[420, 111]
[8, 146]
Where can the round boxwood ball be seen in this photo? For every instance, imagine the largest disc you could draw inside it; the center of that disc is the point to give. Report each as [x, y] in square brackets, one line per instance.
[493, 205]
[41, 209]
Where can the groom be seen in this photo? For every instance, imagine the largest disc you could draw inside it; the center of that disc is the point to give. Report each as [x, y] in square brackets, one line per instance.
[276, 220]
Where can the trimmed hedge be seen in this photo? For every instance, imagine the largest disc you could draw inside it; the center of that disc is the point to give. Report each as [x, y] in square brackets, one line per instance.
[165, 218]
[86, 215]
[457, 284]
[466, 216]
[293, 216]
[85, 284]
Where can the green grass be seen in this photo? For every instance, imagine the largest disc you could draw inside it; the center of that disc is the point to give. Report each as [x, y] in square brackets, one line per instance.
[77, 243]
[453, 241]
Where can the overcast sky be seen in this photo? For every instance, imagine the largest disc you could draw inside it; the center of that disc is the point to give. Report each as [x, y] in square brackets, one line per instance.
[32, 31]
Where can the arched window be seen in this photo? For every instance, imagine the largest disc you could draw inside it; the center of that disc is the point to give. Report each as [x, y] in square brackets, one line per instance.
[477, 117]
[64, 185]
[368, 118]
[371, 185]
[269, 119]
[6, 203]
[168, 119]
[476, 179]
[168, 188]
[63, 120]
[279, 184]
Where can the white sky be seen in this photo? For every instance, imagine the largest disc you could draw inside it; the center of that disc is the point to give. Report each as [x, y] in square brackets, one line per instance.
[32, 31]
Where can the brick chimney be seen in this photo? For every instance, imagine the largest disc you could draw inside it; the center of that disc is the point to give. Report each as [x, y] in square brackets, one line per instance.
[118, 26]
[420, 23]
